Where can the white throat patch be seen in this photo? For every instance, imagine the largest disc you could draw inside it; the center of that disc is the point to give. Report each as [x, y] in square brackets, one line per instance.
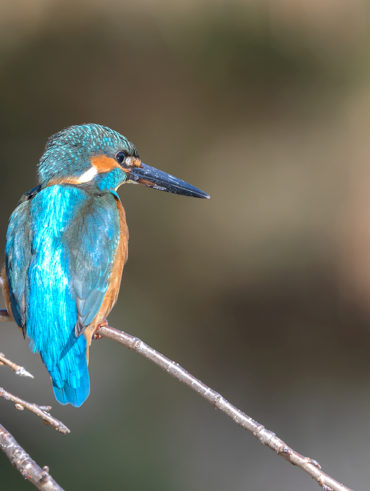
[88, 175]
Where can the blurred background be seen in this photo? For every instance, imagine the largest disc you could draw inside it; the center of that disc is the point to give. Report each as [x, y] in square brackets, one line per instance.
[263, 291]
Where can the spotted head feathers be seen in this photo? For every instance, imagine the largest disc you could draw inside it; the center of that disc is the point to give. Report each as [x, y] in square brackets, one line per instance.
[68, 153]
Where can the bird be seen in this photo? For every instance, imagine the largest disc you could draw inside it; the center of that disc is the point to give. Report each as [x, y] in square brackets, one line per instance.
[67, 245]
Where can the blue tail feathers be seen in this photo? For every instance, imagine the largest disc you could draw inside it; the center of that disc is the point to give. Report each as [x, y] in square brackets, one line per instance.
[70, 395]
[70, 376]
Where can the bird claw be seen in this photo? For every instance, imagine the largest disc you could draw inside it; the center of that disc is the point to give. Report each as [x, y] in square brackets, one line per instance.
[96, 334]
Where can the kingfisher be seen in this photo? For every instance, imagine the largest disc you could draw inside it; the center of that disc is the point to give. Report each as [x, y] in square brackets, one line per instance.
[67, 244]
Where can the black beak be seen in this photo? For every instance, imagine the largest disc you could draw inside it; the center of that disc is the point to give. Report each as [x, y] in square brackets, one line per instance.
[157, 179]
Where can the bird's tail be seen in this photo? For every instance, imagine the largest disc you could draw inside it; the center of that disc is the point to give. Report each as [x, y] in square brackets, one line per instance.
[70, 376]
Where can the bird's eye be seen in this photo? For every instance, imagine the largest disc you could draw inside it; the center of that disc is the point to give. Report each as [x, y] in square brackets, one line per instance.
[120, 157]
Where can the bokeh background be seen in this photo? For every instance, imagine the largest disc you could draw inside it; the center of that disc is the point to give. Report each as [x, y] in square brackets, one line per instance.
[263, 291]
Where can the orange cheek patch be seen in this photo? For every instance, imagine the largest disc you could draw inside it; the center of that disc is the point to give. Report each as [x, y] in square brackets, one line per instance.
[103, 163]
[136, 163]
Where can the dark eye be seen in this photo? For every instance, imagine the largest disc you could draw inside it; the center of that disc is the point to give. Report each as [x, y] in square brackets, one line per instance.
[120, 157]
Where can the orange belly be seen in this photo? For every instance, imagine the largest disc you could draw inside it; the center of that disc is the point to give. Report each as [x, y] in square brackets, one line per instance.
[5, 287]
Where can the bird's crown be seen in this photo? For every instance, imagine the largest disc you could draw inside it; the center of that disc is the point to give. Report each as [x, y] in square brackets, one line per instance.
[67, 153]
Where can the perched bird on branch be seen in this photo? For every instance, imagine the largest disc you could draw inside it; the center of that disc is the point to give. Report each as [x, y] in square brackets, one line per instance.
[66, 247]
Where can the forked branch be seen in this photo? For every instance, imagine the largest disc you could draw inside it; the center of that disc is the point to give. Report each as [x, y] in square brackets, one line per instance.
[266, 437]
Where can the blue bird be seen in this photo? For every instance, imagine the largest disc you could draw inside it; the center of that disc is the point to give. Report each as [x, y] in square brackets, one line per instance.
[66, 247]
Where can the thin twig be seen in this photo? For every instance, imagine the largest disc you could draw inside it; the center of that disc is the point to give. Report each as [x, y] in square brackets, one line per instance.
[266, 437]
[22, 372]
[41, 411]
[25, 465]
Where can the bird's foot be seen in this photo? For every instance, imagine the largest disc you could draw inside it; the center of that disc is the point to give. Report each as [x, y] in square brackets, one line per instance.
[4, 315]
[96, 334]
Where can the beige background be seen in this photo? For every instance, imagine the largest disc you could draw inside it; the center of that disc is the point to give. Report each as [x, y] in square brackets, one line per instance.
[263, 291]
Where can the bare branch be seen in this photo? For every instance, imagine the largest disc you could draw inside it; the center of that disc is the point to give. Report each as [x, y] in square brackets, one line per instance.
[41, 411]
[22, 372]
[20, 459]
[266, 437]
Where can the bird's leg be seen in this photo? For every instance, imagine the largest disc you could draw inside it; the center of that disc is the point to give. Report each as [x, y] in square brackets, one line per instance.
[96, 335]
[4, 315]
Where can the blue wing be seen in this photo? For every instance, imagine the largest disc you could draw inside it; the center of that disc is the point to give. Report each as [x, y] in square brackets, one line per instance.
[92, 241]
[72, 237]
[18, 257]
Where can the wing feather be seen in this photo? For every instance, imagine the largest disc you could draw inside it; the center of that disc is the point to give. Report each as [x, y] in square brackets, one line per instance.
[92, 241]
[17, 259]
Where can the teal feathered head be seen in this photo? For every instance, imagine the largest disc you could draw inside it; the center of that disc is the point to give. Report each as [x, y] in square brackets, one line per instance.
[68, 153]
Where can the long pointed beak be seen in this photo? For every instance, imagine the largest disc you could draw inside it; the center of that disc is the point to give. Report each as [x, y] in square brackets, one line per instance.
[157, 179]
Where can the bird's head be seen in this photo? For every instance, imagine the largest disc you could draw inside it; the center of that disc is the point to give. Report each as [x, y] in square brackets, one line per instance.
[96, 156]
